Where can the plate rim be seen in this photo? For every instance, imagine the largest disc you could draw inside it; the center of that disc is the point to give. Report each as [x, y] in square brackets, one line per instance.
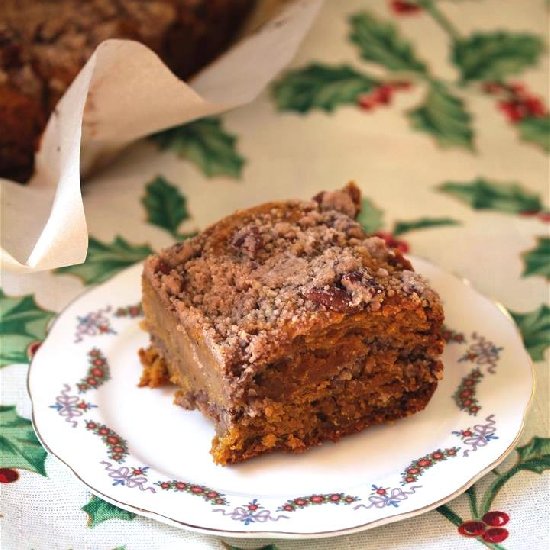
[270, 534]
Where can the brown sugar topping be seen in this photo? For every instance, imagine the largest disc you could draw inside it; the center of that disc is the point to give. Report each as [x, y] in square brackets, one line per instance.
[279, 264]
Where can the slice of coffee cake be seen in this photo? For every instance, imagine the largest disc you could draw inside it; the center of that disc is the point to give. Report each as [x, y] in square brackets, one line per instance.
[289, 326]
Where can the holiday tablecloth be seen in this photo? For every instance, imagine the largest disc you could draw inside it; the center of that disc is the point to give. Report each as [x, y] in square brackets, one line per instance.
[438, 109]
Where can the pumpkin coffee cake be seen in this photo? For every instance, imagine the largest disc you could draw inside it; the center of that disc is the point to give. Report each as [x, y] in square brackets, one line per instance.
[288, 326]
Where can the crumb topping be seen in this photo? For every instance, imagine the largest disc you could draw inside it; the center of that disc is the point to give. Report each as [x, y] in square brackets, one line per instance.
[279, 264]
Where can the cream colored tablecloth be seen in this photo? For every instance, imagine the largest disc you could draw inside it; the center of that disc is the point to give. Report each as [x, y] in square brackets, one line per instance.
[440, 114]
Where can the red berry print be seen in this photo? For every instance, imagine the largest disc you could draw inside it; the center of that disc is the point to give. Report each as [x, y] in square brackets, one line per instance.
[366, 102]
[335, 498]
[165, 485]
[513, 110]
[534, 106]
[381, 95]
[515, 101]
[392, 242]
[472, 528]
[33, 348]
[197, 489]
[495, 534]
[496, 519]
[316, 499]
[8, 475]
[252, 507]
[403, 7]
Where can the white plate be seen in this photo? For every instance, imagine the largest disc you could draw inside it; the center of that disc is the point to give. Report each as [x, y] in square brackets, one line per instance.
[161, 467]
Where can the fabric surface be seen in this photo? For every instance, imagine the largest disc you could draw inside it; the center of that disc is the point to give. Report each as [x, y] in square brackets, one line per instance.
[438, 109]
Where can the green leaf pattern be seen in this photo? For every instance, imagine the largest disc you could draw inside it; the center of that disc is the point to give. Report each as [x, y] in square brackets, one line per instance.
[537, 261]
[495, 56]
[536, 130]
[106, 259]
[99, 510]
[165, 205]
[206, 144]
[483, 194]
[322, 87]
[379, 42]
[535, 330]
[401, 227]
[370, 217]
[19, 447]
[22, 322]
[488, 57]
[444, 116]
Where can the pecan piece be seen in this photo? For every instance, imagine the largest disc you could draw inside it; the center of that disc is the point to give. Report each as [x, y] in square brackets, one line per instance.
[333, 298]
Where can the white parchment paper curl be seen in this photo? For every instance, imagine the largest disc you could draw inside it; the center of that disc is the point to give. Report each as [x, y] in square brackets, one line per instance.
[125, 92]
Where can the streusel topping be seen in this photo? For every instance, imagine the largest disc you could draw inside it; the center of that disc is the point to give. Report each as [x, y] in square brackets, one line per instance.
[251, 274]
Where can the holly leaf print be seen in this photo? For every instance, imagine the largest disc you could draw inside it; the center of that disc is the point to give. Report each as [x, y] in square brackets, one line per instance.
[401, 227]
[532, 457]
[322, 87]
[482, 194]
[370, 217]
[444, 117]
[22, 323]
[19, 447]
[106, 259]
[536, 130]
[537, 261]
[99, 510]
[379, 42]
[165, 205]
[535, 330]
[496, 55]
[206, 144]
[535, 456]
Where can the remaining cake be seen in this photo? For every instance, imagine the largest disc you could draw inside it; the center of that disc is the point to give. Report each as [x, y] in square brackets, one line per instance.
[288, 326]
[44, 44]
